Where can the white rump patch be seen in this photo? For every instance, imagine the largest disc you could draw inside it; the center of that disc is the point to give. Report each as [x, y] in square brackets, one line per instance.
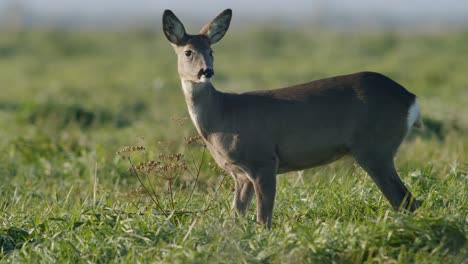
[413, 113]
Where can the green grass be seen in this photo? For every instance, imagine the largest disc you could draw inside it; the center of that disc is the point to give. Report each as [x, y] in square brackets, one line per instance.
[71, 100]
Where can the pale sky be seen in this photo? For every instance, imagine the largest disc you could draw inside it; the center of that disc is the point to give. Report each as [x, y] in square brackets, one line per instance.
[287, 9]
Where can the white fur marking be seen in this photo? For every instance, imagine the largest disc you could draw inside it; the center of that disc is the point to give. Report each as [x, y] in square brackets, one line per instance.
[413, 113]
[204, 79]
[194, 111]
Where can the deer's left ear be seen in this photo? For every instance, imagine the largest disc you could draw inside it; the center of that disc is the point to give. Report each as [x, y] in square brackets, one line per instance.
[173, 28]
[216, 29]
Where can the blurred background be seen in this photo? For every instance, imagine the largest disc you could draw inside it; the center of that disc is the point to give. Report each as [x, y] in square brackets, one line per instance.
[80, 79]
[340, 13]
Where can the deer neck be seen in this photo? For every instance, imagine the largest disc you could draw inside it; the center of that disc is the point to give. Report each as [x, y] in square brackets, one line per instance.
[202, 103]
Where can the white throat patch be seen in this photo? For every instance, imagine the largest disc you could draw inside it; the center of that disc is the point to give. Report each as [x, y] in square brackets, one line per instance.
[194, 111]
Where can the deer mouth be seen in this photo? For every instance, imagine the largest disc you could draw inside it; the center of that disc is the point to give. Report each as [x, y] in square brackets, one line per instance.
[205, 75]
[204, 79]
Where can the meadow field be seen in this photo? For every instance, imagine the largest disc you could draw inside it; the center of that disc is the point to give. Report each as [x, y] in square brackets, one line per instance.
[71, 99]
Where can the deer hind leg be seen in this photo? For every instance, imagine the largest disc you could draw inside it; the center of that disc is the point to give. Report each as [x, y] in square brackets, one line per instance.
[243, 193]
[382, 171]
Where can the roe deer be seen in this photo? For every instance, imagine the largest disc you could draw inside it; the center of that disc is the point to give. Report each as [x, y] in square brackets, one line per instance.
[256, 135]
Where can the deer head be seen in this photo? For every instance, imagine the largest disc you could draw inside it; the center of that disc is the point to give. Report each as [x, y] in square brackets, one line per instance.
[194, 53]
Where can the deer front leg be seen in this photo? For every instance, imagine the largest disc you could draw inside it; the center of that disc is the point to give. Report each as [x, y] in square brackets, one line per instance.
[243, 193]
[264, 182]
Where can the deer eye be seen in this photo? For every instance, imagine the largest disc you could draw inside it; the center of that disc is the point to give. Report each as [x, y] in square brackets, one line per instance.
[188, 53]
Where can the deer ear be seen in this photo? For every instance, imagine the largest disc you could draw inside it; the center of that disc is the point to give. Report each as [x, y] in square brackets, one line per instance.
[216, 29]
[173, 28]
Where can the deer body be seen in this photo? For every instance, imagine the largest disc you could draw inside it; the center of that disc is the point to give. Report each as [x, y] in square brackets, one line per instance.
[256, 135]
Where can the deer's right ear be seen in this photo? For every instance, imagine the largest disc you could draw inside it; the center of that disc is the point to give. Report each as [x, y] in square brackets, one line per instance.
[173, 28]
[216, 29]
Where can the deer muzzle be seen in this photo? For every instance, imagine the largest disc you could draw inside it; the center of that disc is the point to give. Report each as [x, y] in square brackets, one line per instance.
[208, 73]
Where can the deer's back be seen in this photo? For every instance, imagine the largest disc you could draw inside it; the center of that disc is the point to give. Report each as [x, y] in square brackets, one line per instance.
[317, 122]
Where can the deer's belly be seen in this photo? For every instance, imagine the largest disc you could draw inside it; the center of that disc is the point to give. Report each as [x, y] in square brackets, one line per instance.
[238, 154]
[293, 160]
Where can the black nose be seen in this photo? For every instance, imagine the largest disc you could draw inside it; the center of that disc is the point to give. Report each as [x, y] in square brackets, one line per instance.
[208, 73]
